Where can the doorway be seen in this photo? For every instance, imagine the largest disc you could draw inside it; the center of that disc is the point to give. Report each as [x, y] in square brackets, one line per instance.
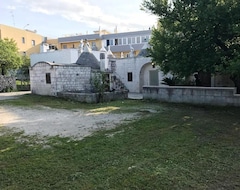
[153, 78]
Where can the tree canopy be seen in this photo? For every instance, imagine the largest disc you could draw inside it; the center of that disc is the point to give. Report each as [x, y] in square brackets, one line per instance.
[196, 35]
[9, 56]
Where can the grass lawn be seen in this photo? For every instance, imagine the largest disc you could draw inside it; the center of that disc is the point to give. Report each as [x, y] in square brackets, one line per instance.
[23, 85]
[178, 147]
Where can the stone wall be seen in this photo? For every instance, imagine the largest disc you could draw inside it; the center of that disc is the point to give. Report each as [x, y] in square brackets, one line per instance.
[220, 96]
[7, 83]
[93, 97]
[69, 77]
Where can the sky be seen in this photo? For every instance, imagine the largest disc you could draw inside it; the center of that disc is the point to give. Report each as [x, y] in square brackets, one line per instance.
[58, 18]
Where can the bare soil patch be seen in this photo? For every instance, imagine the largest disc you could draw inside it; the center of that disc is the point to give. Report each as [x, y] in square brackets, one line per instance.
[45, 121]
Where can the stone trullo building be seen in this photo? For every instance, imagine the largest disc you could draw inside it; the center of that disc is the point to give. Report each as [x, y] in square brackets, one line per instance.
[49, 78]
[130, 73]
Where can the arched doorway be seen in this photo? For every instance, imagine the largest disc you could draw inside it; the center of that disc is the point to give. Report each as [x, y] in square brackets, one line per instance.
[150, 76]
[144, 75]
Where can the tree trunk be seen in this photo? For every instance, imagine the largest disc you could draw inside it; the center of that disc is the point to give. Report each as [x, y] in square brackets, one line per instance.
[3, 70]
[236, 81]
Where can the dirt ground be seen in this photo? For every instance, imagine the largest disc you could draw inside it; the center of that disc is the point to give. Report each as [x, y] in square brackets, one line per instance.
[45, 121]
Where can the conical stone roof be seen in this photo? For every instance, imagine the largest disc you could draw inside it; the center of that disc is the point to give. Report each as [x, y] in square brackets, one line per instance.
[87, 59]
[144, 51]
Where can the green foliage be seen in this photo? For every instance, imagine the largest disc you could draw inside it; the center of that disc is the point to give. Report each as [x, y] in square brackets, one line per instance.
[177, 81]
[100, 84]
[196, 36]
[171, 81]
[22, 75]
[9, 56]
[25, 65]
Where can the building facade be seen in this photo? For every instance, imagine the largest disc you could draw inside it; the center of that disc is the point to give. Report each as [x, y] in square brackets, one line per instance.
[121, 43]
[28, 41]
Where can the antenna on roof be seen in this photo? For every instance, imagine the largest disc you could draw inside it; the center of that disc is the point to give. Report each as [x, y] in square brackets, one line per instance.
[25, 26]
[12, 17]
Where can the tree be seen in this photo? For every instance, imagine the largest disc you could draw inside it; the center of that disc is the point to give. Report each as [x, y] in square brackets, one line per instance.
[9, 56]
[24, 68]
[196, 36]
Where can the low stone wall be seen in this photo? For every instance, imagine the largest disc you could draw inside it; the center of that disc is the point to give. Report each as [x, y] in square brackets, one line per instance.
[7, 83]
[93, 97]
[219, 96]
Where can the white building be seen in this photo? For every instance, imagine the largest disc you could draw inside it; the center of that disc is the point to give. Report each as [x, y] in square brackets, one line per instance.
[66, 72]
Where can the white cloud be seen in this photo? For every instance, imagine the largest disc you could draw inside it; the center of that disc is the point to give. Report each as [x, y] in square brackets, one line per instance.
[99, 13]
[11, 7]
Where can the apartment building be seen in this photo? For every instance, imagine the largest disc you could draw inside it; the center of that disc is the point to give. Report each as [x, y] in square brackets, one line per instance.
[28, 41]
[121, 43]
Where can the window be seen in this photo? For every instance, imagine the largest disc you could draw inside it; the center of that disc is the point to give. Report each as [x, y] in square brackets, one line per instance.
[48, 78]
[130, 77]
[145, 39]
[111, 42]
[52, 47]
[23, 40]
[33, 42]
[138, 40]
[93, 44]
[120, 41]
[129, 40]
[133, 40]
[124, 41]
[116, 41]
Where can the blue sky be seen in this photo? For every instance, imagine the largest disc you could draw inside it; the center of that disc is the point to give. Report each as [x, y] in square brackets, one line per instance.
[57, 18]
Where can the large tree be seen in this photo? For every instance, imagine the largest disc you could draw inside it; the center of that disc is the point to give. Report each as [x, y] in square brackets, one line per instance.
[9, 56]
[196, 36]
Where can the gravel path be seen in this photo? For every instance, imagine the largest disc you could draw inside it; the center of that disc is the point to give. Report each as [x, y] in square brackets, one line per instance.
[45, 121]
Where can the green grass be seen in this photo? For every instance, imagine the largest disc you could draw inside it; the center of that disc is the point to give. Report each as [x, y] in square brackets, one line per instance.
[23, 85]
[179, 147]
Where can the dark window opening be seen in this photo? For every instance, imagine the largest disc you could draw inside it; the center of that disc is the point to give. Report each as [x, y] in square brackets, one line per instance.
[48, 78]
[23, 40]
[116, 41]
[130, 76]
[108, 43]
[102, 55]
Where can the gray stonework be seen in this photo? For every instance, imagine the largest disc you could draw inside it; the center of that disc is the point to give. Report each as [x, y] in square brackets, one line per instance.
[7, 83]
[93, 97]
[220, 96]
[69, 77]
